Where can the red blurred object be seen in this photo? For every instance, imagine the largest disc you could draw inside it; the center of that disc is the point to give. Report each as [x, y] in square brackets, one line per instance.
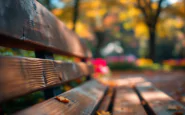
[99, 62]
[100, 66]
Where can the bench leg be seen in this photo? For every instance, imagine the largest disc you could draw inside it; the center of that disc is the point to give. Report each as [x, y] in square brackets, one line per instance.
[87, 77]
[51, 92]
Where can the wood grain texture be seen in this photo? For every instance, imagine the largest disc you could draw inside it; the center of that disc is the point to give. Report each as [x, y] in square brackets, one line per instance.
[83, 101]
[106, 101]
[19, 76]
[28, 25]
[127, 102]
[158, 101]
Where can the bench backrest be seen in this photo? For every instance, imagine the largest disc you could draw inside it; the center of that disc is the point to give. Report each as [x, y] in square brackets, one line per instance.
[26, 24]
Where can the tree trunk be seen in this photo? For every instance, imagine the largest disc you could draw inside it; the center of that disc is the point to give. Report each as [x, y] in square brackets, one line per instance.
[100, 40]
[75, 15]
[152, 44]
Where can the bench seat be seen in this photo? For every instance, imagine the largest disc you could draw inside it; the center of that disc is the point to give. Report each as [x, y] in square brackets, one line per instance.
[127, 102]
[83, 100]
[159, 102]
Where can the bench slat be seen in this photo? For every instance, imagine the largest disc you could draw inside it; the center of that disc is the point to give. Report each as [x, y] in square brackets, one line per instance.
[158, 101]
[106, 101]
[28, 25]
[127, 102]
[83, 101]
[19, 76]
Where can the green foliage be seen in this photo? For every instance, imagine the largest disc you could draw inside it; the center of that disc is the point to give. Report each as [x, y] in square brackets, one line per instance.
[63, 58]
[123, 66]
[16, 52]
[178, 67]
[131, 66]
[22, 102]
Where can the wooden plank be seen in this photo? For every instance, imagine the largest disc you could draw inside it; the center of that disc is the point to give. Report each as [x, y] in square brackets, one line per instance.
[83, 101]
[19, 76]
[158, 101]
[50, 92]
[127, 102]
[106, 101]
[28, 25]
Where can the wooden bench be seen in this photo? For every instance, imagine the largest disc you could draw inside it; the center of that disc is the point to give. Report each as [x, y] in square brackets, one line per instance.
[27, 25]
[154, 101]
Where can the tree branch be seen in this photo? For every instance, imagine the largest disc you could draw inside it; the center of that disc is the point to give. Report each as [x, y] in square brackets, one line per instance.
[158, 11]
[142, 9]
[148, 5]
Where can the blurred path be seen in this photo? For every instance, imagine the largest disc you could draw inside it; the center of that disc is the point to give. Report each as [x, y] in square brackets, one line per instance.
[172, 83]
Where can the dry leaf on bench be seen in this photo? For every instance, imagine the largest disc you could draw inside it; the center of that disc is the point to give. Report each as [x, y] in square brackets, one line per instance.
[62, 99]
[174, 107]
[103, 113]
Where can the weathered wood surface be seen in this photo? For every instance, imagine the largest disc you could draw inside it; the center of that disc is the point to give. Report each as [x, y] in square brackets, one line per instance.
[127, 102]
[28, 25]
[158, 101]
[83, 101]
[106, 101]
[19, 76]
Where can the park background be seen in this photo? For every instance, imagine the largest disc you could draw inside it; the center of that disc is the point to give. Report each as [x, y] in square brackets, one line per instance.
[128, 36]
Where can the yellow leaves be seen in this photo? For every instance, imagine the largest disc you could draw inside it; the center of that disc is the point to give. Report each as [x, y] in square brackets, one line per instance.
[178, 8]
[96, 3]
[83, 31]
[119, 11]
[179, 23]
[69, 24]
[141, 30]
[144, 62]
[109, 20]
[133, 12]
[127, 26]
[94, 12]
[169, 27]
[91, 13]
[57, 12]
[154, 5]
[123, 1]
[127, 2]
[122, 16]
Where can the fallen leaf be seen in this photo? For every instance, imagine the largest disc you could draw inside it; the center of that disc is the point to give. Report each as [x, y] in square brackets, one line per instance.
[62, 99]
[151, 89]
[103, 113]
[174, 107]
[143, 102]
[127, 110]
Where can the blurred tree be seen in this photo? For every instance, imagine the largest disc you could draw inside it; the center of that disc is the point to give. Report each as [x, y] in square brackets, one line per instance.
[118, 19]
[151, 16]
